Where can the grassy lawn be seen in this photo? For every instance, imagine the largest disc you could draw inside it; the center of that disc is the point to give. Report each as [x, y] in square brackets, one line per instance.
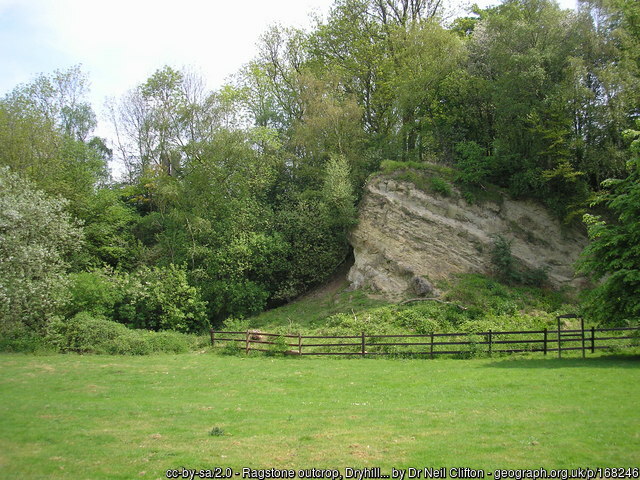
[76, 417]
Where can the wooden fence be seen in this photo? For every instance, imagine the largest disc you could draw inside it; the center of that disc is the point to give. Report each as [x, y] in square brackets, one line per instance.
[462, 343]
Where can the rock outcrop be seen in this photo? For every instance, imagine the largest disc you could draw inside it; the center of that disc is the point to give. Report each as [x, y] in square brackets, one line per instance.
[407, 239]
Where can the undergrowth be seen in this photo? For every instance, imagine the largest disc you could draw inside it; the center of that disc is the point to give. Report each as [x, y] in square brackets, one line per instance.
[475, 303]
[86, 333]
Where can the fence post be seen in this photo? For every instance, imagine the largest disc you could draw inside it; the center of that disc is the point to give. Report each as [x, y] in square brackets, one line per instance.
[432, 345]
[545, 340]
[593, 339]
[363, 350]
[247, 341]
[559, 344]
[490, 346]
[582, 326]
[213, 337]
[299, 344]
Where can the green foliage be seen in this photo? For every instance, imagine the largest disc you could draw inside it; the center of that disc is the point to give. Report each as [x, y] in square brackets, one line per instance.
[242, 297]
[472, 163]
[473, 303]
[86, 333]
[543, 103]
[504, 261]
[232, 349]
[337, 193]
[485, 296]
[509, 270]
[425, 176]
[438, 185]
[310, 311]
[391, 166]
[159, 298]
[235, 324]
[37, 238]
[44, 127]
[613, 256]
[279, 345]
[109, 226]
[20, 338]
[469, 197]
[93, 292]
[317, 246]
[217, 432]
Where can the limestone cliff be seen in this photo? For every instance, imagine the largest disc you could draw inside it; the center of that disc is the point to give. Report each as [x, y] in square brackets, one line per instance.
[407, 238]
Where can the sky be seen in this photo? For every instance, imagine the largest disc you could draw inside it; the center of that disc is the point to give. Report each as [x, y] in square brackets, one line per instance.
[120, 43]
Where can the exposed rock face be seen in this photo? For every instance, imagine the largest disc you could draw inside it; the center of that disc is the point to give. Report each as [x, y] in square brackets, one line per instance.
[407, 238]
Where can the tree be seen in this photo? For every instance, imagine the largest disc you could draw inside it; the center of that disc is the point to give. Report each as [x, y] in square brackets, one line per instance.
[351, 44]
[59, 99]
[44, 130]
[538, 65]
[613, 256]
[162, 124]
[37, 237]
[425, 57]
[338, 196]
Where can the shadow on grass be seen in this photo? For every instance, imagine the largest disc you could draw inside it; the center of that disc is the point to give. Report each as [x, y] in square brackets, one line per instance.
[614, 360]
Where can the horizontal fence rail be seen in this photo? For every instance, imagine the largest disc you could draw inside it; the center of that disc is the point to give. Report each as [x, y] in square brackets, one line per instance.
[431, 344]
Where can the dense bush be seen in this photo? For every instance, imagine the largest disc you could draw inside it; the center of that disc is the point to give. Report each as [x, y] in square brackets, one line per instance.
[85, 333]
[438, 185]
[158, 298]
[95, 292]
[20, 338]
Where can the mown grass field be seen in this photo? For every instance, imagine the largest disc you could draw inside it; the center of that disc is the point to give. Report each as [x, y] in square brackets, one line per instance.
[81, 417]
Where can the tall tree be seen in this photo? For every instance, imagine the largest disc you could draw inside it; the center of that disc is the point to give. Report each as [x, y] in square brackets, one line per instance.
[613, 257]
[44, 131]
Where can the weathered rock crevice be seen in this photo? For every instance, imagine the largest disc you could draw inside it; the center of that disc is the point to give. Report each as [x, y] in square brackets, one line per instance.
[407, 239]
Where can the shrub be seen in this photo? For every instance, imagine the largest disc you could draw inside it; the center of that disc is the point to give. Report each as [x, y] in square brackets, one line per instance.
[485, 296]
[216, 432]
[85, 333]
[19, 338]
[509, 270]
[470, 198]
[149, 298]
[160, 298]
[232, 348]
[234, 324]
[438, 185]
[503, 260]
